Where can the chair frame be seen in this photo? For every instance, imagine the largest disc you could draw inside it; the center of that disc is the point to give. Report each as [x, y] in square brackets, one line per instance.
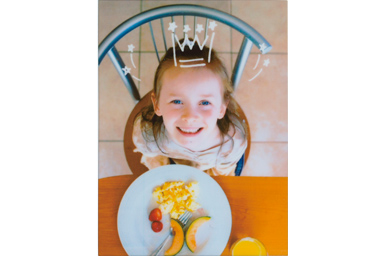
[251, 36]
[107, 47]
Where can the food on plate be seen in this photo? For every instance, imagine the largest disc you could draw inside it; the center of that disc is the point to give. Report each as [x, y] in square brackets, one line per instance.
[190, 236]
[248, 246]
[175, 197]
[178, 238]
[155, 215]
[157, 226]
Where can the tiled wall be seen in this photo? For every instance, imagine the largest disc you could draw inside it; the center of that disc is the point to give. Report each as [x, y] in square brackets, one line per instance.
[264, 99]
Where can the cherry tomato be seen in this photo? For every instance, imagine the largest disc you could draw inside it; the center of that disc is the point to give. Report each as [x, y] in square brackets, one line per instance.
[155, 215]
[157, 226]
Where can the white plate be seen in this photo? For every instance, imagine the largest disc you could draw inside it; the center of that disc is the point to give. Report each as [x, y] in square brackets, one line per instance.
[134, 226]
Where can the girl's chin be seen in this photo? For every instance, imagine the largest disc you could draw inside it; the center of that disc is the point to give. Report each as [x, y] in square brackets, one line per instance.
[194, 148]
[190, 144]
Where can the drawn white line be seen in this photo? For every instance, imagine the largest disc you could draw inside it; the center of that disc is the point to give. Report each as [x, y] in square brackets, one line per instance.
[198, 42]
[132, 61]
[191, 60]
[174, 50]
[258, 58]
[210, 47]
[193, 65]
[135, 78]
[255, 75]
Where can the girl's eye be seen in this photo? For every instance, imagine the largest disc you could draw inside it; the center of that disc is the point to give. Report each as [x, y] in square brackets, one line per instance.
[205, 103]
[176, 101]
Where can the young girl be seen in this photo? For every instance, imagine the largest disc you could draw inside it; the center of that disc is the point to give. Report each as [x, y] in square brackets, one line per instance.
[192, 119]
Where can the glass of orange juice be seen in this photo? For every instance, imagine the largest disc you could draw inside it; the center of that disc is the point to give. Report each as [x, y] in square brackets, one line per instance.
[248, 246]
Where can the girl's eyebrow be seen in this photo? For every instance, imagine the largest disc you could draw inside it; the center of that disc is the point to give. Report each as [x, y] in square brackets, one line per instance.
[173, 95]
[206, 95]
[201, 95]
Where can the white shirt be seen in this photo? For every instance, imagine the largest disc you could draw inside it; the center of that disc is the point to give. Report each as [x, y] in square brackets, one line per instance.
[215, 160]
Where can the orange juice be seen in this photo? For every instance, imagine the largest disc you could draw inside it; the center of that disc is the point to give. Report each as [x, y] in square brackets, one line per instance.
[248, 246]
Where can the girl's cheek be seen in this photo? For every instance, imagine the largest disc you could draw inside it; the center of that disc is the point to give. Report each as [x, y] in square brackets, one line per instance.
[208, 114]
[209, 111]
[174, 112]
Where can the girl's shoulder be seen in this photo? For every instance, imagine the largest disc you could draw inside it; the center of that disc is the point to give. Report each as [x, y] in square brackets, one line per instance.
[236, 133]
[143, 139]
[234, 144]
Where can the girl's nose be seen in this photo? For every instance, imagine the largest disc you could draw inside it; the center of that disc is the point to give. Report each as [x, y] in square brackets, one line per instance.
[189, 115]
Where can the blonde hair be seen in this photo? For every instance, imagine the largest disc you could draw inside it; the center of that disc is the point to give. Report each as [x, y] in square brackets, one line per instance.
[152, 126]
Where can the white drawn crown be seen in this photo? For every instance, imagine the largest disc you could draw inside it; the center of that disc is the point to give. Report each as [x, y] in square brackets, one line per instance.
[190, 44]
[187, 42]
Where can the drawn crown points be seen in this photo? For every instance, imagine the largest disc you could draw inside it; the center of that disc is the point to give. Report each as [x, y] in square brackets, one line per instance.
[189, 43]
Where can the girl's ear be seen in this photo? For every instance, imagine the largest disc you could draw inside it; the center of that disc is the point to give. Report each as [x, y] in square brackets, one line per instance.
[223, 109]
[155, 105]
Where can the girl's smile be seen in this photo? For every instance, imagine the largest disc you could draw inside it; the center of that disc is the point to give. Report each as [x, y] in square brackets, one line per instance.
[191, 102]
[189, 131]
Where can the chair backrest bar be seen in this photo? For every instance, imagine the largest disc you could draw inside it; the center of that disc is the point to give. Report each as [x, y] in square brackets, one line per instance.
[175, 10]
[162, 30]
[154, 41]
[206, 28]
[241, 60]
[251, 36]
[127, 79]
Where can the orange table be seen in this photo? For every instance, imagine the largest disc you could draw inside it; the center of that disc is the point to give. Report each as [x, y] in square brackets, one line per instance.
[259, 208]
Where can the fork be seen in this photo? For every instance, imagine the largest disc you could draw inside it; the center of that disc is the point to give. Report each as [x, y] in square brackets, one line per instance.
[184, 218]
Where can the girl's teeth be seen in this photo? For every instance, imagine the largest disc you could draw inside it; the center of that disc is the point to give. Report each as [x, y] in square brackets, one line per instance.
[189, 130]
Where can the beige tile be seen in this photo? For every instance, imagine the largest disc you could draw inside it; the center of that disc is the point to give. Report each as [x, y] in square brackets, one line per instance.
[269, 18]
[115, 101]
[112, 161]
[112, 14]
[265, 99]
[218, 4]
[267, 159]
[226, 59]
[221, 40]
[148, 67]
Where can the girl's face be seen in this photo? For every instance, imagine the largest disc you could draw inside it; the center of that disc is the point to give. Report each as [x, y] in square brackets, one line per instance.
[191, 102]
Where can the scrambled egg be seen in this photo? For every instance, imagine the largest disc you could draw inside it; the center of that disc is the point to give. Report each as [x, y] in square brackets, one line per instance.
[175, 198]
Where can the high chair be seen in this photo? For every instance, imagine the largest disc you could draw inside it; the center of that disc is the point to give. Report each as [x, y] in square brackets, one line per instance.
[107, 47]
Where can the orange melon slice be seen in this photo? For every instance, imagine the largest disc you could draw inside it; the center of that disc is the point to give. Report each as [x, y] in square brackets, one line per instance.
[190, 237]
[178, 239]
